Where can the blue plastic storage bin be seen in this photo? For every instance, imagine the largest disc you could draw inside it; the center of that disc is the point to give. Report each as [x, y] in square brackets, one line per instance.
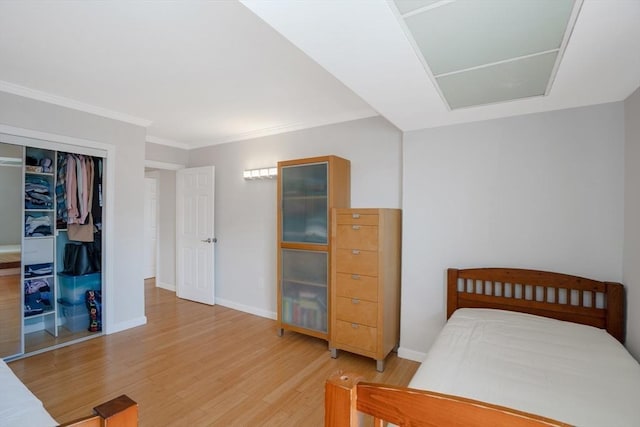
[76, 316]
[73, 288]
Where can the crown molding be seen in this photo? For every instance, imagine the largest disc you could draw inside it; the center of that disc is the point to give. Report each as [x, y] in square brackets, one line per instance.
[169, 142]
[163, 165]
[71, 103]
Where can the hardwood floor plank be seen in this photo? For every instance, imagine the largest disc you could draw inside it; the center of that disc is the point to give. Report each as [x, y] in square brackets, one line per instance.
[198, 365]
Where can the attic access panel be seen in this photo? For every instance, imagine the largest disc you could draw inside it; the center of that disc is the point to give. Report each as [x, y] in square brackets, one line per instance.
[481, 52]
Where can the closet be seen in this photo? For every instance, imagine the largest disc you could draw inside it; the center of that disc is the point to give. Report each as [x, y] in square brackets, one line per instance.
[57, 268]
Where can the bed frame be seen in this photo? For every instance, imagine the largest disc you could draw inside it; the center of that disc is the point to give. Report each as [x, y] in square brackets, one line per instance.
[555, 295]
[118, 412]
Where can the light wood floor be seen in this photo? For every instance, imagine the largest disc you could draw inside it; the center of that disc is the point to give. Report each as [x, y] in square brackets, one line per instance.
[197, 365]
[10, 314]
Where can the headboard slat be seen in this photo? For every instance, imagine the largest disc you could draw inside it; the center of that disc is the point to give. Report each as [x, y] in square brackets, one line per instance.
[530, 292]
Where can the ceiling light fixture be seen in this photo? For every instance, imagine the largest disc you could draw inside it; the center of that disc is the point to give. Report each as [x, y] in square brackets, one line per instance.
[260, 173]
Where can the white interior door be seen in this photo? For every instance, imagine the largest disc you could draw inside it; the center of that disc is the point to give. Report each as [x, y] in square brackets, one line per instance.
[150, 226]
[194, 234]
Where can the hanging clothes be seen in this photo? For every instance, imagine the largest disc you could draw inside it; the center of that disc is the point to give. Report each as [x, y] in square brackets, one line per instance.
[79, 197]
[72, 190]
[96, 206]
[61, 192]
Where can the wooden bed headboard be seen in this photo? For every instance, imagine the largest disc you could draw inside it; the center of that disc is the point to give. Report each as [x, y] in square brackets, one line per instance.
[556, 295]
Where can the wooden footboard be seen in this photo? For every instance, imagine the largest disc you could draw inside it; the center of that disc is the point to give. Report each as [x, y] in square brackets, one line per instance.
[346, 396]
[118, 412]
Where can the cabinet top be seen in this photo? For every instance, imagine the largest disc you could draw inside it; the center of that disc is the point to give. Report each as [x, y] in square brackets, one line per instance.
[319, 159]
[364, 211]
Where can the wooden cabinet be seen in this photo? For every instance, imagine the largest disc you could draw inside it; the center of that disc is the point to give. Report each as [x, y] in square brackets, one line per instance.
[365, 282]
[307, 191]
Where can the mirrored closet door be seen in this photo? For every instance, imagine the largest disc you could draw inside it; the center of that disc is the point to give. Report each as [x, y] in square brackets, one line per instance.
[11, 200]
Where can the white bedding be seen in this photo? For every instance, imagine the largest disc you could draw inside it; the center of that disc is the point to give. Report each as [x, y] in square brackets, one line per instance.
[573, 373]
[18, 406]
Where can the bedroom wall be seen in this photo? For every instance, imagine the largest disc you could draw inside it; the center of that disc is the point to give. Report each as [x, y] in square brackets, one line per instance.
[10, 211]
[631, 277]
[166, 154]
[541, 191]
[11, 197]
[167, 229]
[126, 308]
[245, 211]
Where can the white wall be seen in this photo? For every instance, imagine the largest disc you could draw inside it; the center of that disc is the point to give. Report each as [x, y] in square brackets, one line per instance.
[166, 154]
[11, 197]
[541, 191]
[126, 306]
[245, 211]
[167, 229]
[11, 201]
[632, 221]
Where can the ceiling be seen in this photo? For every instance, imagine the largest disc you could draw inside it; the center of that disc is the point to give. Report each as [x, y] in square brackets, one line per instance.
[199, 73]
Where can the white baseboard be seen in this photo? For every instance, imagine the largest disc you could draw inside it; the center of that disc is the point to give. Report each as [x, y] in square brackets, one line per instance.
[416, 356]
[246, 308]
[118, 327]
[167, 286]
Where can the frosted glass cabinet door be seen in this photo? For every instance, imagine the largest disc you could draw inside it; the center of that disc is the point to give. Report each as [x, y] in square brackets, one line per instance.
[304, 203]
[304, 289]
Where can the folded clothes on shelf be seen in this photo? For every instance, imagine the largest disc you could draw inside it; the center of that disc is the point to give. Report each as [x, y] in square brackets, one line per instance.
[37, 193]
[37, 226]
[35, 270]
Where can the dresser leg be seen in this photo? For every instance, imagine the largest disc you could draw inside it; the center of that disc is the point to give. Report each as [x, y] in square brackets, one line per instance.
[280, 332]
[334, 352]
[380, 365]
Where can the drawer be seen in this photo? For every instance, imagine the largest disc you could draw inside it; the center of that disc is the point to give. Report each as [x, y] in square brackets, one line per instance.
[356, 218]
[356, 335]
[357, 262]
[356, 286]
[357, 311]
[355, 236]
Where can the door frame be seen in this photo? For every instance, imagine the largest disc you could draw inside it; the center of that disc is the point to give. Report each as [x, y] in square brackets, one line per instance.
[153, 164]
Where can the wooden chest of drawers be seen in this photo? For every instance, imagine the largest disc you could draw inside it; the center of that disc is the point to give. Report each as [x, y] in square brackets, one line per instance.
[365, 282]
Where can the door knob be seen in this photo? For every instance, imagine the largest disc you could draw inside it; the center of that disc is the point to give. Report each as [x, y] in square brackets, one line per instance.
[209, 240]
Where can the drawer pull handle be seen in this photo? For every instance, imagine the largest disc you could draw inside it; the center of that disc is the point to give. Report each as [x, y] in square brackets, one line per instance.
[355, 227]
[355, 276]
[355, 216]
[355, 325]
[355, 252]
[355, 301]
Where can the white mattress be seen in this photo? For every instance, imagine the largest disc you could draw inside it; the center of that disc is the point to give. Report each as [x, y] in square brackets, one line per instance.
[573, 373]
[18, 406]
